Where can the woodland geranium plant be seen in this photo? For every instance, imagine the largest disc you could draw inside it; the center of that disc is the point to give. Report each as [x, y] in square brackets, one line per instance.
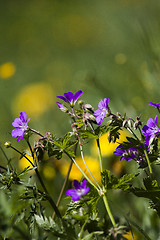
[85, 208]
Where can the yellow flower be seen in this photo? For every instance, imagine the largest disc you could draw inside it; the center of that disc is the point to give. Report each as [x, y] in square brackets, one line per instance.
[92, 163]
[107, 148]
[24, 163]
[35, 99]
[7, 70]
[128, 236]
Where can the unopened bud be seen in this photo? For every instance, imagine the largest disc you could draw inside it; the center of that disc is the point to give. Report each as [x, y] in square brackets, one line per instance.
[62, 107]
[7, 144]
[137, 123]
[81, 102]
[88, 106]
[92, 118]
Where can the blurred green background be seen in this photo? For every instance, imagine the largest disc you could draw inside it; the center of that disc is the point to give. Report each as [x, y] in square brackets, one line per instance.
[105, 48]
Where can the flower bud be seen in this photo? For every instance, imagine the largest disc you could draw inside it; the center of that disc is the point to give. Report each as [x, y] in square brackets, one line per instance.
[62, 107]
[7, 144]
[80, 102]
[92, 118]
[88, 106]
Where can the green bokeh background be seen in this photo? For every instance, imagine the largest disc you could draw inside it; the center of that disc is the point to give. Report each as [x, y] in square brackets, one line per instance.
[104, 48]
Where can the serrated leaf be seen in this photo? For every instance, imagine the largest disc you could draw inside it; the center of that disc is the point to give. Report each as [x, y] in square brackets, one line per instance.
[109, 181]
[48, 224]
[87, 134]
[65, 143]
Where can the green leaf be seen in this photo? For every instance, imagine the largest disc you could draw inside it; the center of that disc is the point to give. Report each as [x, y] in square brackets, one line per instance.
[151, 191]
[48, 224]
[91, 235]
[87, 134]
[109, 181]
[65, 144]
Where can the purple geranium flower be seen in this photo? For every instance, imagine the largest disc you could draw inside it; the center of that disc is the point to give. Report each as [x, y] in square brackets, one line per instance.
[78, 190]
[157, 105]
[151, 130]
[21, 125]
[127, 154]
[102, 110]
[71, 98]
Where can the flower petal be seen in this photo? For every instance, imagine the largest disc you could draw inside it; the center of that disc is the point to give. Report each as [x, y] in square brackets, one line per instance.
[84, 183]
[77, 95]
[76, 184]
[63, 98]
[70, 192]
[69, 96]
[155, 120]
[17, 122]
[17, 132]
[23, 116]
[85, 190]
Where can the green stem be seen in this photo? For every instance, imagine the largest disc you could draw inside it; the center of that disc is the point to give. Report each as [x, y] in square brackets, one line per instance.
[81, 232]
[148, 161]
[83, 173]
[104, 196]
[81, 150]
[131, 131]
[146, 155]
[23, 155]
[100, 155]
[52, 203]
[108, 210]
[63, 187]
[34, 131]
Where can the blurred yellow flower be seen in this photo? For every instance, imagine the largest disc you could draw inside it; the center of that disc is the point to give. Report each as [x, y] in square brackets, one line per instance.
[7, 70]
[117, 167]
[107, 148]
[24, 163]
[49, 172]
[92, 163]
[128, 236]
[35, 99]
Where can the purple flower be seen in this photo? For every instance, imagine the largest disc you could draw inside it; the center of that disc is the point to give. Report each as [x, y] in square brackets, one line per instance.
[127, 154]
[71, 98]
[157, 105]
[21, 125]
[151, 130]
[102, 110]
[78, 190]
